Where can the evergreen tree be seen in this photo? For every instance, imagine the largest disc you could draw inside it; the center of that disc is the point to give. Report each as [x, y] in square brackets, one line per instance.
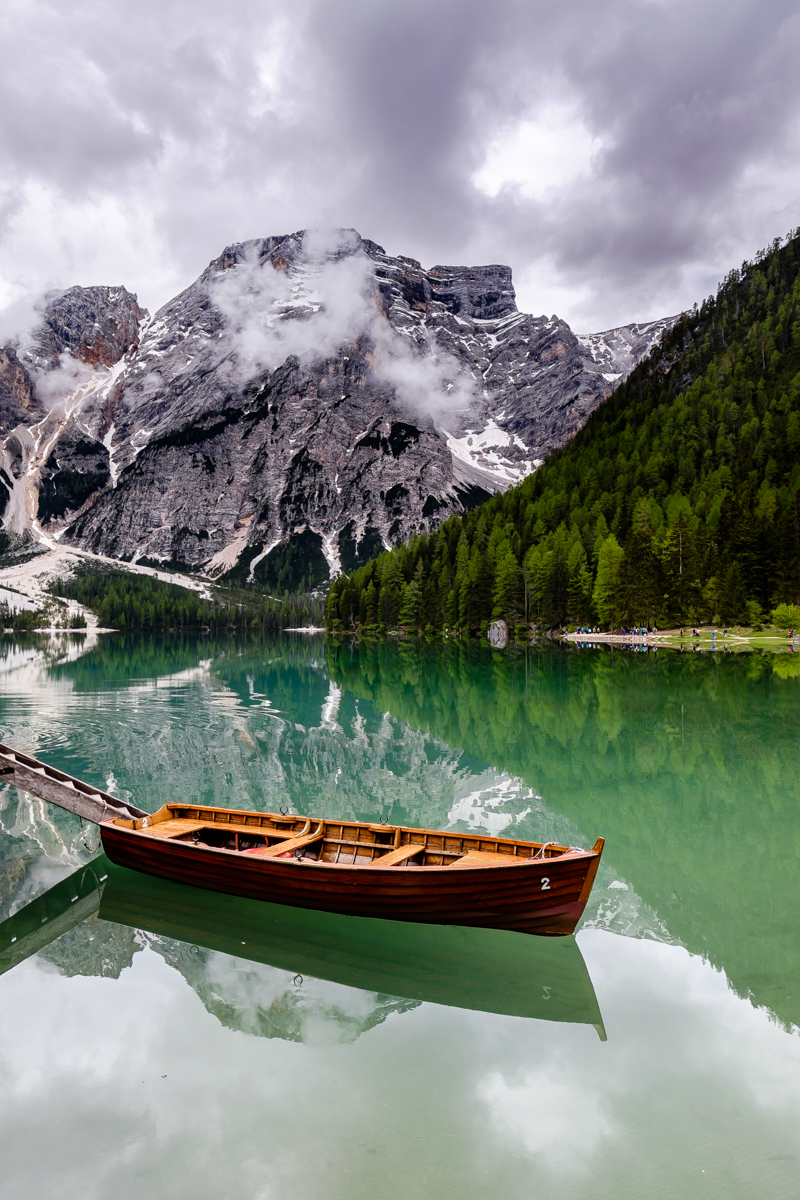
[507, 601]
[680, 564]
[733, 597]
[579, 589]
[643, 585]
[609, 583]
[392, 581]
[556, 582]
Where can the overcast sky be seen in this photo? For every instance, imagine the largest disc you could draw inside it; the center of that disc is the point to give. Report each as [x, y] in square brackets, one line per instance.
[620, 155]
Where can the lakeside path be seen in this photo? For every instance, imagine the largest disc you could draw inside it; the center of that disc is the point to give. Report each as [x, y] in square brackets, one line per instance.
[736, 639]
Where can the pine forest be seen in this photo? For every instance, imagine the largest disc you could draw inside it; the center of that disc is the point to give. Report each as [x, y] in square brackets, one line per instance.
[676, 503]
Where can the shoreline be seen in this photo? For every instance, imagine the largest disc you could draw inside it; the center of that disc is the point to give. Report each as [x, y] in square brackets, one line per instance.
[670, 639]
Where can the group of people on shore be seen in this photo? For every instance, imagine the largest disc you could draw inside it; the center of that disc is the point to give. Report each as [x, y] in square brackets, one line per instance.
[639, 631]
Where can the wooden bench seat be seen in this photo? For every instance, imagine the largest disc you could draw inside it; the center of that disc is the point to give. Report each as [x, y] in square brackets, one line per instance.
[174, 828]
[286, 847]
[485, 858]
[177, 826]
[400, 855]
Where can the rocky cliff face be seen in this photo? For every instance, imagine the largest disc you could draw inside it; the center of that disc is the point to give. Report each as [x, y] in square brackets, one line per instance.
[305, 403]
[95, 325]
[51, 383]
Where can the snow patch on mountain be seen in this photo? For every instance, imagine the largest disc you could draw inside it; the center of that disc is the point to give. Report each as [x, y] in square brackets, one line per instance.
[484, 451]
[619, 350]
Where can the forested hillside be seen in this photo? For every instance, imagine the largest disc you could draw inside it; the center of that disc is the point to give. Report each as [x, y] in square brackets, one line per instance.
[125, 601]
[677, 502]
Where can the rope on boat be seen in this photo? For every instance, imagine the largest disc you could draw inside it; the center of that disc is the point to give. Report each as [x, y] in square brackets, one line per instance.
[92, 849]
[540, 852]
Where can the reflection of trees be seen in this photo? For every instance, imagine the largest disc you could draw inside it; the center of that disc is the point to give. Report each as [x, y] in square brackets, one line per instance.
[688, 765]
[240, 722]
[248, 723]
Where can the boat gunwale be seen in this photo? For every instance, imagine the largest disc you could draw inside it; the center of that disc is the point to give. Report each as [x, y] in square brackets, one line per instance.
[373, 826]
[567, 853]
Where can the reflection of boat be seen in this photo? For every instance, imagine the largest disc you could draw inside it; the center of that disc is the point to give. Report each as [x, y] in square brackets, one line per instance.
[351, 867]
[488, 970]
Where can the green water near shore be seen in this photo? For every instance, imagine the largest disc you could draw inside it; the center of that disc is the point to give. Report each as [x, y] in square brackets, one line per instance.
[143, 1052]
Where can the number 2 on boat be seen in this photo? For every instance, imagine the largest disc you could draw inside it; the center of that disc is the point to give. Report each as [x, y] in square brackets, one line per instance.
[546, 883]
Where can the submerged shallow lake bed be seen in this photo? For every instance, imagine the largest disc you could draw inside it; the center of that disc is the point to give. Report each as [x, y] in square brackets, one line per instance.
[158, 1041]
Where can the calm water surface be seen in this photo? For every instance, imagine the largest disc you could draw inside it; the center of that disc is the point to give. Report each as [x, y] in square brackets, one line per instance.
[159, 1042]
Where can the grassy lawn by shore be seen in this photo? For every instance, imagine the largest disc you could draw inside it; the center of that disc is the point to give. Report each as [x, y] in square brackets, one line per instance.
[768, 637]
[731, 639]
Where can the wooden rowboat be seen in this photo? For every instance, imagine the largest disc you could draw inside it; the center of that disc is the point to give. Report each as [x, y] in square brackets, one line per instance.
[350, 867]
[361, 869]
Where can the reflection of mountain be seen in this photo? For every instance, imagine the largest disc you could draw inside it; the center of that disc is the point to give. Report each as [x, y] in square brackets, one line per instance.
[689, 766]
[243, 723]
[220, 721]
[275, 971]
[266, 1002]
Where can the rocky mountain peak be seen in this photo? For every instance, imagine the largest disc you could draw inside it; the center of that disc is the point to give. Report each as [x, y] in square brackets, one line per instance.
[94, 325]
[307, 401]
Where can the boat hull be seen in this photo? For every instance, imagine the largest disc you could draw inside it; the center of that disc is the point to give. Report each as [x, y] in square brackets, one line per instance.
[546, 897]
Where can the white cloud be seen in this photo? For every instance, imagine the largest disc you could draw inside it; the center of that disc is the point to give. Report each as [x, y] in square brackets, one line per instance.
[136, 143]
[549, 1114]
[539, 155]
[321, 303]
[309, 311]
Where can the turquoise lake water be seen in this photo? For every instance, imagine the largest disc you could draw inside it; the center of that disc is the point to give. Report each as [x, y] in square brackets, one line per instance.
[159, 1042]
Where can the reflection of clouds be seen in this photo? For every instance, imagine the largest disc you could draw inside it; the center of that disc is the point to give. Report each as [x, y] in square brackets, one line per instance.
[688, 1063]
[691, 1080]
[551, 1116]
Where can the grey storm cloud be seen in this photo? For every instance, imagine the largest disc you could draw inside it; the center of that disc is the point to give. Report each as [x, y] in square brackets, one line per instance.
[620, 155]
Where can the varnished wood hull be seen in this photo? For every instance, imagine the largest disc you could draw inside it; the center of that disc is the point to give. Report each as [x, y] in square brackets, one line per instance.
[545, 897]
